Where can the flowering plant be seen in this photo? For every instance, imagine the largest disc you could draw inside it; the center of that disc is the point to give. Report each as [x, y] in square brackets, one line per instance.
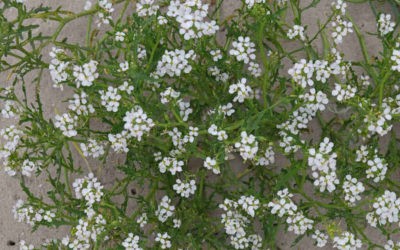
[182, 128]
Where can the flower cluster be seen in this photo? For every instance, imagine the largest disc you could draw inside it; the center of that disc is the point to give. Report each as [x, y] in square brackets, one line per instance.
[174, 63]
[385, 26]
[30, 215]
[377, 167]
[85, 74]
[92, 148]
[314, 102]
[242, 91]
[87, 230]
[346, 241]
[268, 158]
[296, 31]
[390, 245]
[250, 3]
[137, 123]
[243, 49]
[171, 164]
[320, 237]
[211, 164]
[80, 105]
[165, 209]
[185, 189]
[12, 137]
[132, 242]
[284, 206]
[146, 8]
[352, 189]
[164, 239]
[386, 209]
[89, 189]
[235, 222]
[58, 67]
[191, 18]
[323, 166]
[340, 29]
[67, 123]
[110, 99]
[221, 134]
[248, 146]
[396, 59]
[106, 10]
[344, 93]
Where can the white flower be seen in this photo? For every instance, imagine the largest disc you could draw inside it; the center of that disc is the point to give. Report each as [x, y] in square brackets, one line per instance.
[250, 3]
[283, 205]
[146, 8]
[132, 242]
[110, 99]
[162, 20]
[340, 29]
[137, 123]
[211, 164]
[254, 69]
[216, 54]
[390, 245]
[249, 204]
[85, 74]
[170, 164]
[241, 90]
[343, 94]
[184, 109]
[341, 6]
[119, 36]
[124, 66]
[177, 223]
[268, 158]
[299, 224]
[226, 110]
[243, 49]
[142, 220]
[174, 63]
[58, 67]
[67, 124]
[92, 148]
[119, 142]
[80, 104]
[346, 241]
[323, 166]
[28, 167]
[352, 188]
[168, 95]
[385, 26]
[396, 60]
[164, 240]
[126, 87]
[22, 244]
[386, 209]
[248, 146]
[88, 5]
[185, 189]
[296, 31]
[320, 237]
[89, 189]
[191, 18]
[165, 209]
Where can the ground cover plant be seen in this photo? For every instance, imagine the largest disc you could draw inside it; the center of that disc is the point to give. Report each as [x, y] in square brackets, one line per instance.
[201, 107]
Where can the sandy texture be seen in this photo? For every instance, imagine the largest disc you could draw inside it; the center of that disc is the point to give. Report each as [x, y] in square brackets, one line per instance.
[12, 231]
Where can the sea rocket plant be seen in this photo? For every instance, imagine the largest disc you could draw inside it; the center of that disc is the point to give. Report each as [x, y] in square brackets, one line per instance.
[183, 127]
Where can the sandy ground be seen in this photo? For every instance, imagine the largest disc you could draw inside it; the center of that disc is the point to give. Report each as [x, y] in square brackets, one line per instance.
[11, 232]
